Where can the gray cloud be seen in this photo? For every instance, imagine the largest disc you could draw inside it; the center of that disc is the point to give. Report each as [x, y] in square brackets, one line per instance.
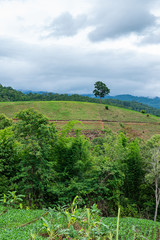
[70, 70]
[67, 25]
[117, 18]
[151, 36]
[109, 19]
[50, 67]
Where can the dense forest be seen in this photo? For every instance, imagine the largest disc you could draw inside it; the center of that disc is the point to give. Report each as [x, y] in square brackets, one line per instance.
[50, 167]
[10, 94]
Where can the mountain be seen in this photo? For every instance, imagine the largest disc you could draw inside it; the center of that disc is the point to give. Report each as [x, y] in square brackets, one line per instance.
[153, 102]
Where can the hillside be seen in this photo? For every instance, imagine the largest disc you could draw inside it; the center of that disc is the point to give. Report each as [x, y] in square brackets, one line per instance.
[11, 95]
[153, 102]
[93, 116]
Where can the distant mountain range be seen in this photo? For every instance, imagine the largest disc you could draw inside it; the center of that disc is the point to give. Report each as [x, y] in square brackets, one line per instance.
[153, 102]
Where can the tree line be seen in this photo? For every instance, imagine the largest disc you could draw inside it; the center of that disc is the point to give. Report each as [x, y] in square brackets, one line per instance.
[50, 167]
[8, 94]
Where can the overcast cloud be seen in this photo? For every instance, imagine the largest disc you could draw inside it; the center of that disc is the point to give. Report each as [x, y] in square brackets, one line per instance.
[67, 25]
[50, 45]
[122, 17]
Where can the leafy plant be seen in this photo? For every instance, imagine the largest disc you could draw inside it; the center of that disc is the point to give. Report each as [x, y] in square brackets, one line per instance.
[12, 199]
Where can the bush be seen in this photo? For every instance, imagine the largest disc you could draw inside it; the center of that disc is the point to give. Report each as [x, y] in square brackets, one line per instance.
[143, 111]
[106, 107]
[4, 121]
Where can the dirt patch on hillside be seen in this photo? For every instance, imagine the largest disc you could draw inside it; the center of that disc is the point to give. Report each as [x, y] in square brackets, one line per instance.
[91, 134]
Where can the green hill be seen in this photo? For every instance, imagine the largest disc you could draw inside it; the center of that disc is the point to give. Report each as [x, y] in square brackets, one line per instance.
[138, 124]
[67, 110]
[8, 94]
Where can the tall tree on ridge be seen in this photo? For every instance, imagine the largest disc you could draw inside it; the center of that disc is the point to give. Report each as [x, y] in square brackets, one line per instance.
[101, 90]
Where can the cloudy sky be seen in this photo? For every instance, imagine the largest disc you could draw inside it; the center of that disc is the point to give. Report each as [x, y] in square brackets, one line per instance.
[65, 46]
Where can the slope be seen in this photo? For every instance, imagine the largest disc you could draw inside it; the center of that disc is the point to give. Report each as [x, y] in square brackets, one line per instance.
[93, 116]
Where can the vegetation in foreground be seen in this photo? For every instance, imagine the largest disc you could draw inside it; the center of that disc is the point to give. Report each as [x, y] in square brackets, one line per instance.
[50, 167]
[73, 223]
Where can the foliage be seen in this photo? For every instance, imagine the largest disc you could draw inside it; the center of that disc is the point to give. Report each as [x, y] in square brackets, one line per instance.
[72, 162]
[12, 199]
[8, 159]
[153, 169]
[143, 111]
[75, 223]
[4, 121]
[153, 176]
[100, 90]
[108, 176]
[37, 138]
[10, 94]
[51, 167]
[134, 172]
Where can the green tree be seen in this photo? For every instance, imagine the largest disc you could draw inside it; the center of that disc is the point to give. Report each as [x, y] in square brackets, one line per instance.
[101, 90]
[8, 159]
[107, 178]
[72, 162]
[153, 168]
[153, 176]
[37, 138]
[134, 172]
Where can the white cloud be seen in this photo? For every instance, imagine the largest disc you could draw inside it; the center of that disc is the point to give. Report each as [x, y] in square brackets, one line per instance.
[90, 40]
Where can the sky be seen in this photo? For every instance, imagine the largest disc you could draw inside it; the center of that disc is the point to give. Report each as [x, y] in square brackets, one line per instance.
[65, 46]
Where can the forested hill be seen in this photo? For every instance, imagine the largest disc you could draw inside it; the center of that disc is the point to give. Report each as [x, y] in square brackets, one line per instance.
[8, 94]
[153, 102]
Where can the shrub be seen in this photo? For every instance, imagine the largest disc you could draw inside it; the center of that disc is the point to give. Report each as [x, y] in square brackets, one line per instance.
[106, 107]
[121, 125]
[143, 111]
[4, 121]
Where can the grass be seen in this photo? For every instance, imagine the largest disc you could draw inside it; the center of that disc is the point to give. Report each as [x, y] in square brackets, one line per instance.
[73, 224]
[135, 123]
[11, 220]
[66, 110]
[60, 110]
